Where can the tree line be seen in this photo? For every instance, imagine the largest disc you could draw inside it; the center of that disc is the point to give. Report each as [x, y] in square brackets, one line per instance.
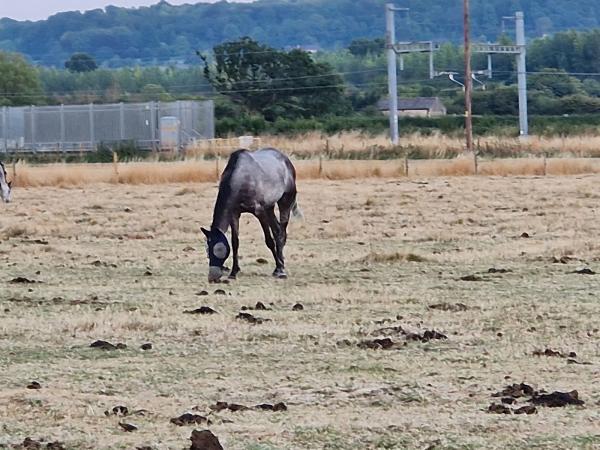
[255, 84]
[164, 33]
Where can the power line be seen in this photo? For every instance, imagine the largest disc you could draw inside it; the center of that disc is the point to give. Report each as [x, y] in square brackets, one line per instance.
[34, 57]
[195, 85]
[212, 93]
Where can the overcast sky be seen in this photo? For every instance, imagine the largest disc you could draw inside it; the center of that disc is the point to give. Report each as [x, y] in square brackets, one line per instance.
[41, 9]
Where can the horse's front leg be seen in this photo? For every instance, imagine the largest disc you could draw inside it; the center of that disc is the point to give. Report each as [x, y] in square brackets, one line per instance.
[235, 245]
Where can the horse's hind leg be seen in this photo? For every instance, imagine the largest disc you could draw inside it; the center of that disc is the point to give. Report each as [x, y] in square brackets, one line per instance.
[285, 205]
[264, 223]
[235, 245]
[279, 238]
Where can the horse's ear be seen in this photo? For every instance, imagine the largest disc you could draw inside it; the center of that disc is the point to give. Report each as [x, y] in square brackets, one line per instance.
[206, 232]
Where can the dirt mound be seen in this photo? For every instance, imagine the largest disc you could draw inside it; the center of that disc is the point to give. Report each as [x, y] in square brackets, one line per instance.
[452, 307]
[29, 444]
[189, 419]
[204, 440]
[205, 310]
[513, 393]
[234, 407]
[105, 345]
[251, 319]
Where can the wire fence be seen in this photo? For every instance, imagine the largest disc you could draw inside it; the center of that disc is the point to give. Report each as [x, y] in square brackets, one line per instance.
[77, 128]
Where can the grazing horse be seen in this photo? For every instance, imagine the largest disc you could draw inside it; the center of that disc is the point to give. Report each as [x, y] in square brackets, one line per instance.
[252, 182]
[5, 185]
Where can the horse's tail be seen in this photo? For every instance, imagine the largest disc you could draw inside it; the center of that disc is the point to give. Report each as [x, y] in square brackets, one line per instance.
[296, 211]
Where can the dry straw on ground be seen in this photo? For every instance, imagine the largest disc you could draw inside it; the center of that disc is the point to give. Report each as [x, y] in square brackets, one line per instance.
[194, 171]
[432, 146]
[122, 263]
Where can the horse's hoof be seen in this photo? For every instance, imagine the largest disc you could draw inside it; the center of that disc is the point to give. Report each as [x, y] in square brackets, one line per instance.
[232, 276]
[279, 273]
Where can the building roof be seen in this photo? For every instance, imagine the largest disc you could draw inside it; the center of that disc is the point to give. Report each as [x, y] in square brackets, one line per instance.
[424, 103]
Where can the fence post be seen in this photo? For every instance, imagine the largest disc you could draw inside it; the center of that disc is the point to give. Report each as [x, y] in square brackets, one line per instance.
[475, 163]
[180, 117]
[32, 109]
[5, 128]
[217, 159]
[321, 164]
[158, 117]
[92, 131]
[545, 165]
[14, 171]
[122, 121]
[116, 165]
[406, 166]
[153, 125]
[61, 144]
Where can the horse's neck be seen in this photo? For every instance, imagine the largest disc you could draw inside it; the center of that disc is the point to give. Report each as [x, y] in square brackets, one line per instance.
[223, 212]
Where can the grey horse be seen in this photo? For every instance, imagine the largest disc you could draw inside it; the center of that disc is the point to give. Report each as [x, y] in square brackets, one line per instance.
[252, 182]
[5, 185]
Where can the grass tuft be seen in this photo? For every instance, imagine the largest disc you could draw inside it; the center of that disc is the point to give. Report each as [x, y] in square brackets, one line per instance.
[375, 257]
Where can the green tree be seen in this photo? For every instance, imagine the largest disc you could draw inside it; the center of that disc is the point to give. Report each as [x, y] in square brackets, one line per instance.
[276, 83]
[364, 47]
[555, 82]
[155, 92]
[81, 62]
[19, 81]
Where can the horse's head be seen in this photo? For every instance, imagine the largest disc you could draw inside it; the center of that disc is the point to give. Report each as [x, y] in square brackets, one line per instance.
[217, 248]
[5, 185]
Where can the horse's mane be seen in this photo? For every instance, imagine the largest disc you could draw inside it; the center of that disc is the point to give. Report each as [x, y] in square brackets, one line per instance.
[225, 183]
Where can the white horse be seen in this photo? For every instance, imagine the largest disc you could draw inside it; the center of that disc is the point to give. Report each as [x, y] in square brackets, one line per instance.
[5, 185]
[253, 182]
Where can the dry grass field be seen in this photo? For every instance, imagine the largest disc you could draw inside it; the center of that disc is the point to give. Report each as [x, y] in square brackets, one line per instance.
[191, 170]
[432, 146]
[122, 263]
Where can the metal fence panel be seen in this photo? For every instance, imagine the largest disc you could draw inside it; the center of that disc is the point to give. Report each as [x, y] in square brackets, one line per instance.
[107, 121]
[138, 122]
[78, 133]
[83, 127]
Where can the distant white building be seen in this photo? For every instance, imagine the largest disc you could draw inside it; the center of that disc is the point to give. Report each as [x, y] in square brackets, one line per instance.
[415, 107]
[307, 48]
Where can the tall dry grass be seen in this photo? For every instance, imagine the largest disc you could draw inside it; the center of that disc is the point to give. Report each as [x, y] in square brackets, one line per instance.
[434, 146]
[194, 171]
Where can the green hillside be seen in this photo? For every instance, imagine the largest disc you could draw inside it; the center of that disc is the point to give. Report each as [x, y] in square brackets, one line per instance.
[165, 33]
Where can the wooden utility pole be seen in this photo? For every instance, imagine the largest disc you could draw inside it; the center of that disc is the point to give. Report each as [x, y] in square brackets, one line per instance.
[468, 80]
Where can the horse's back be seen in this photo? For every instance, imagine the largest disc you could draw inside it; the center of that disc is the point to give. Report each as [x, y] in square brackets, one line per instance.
[267, 165]
[267, 174]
